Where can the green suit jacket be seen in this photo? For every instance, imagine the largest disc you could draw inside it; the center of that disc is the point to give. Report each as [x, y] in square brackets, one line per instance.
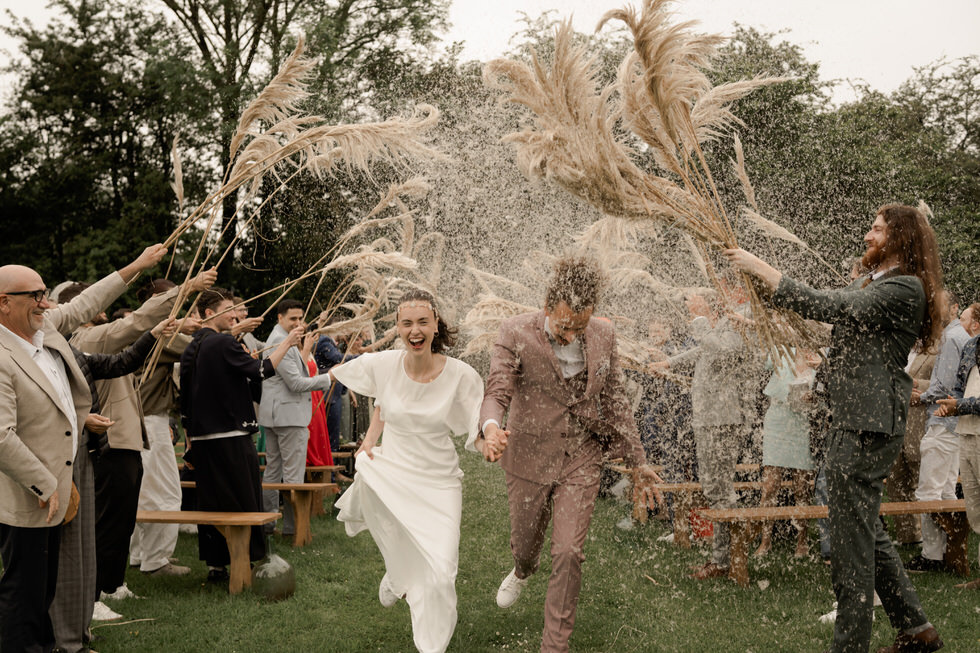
[875, 328]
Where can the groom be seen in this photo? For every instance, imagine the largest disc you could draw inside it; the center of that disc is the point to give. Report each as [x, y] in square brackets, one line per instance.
[556, 375]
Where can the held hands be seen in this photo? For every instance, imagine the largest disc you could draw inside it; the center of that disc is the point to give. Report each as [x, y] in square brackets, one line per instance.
[947, 407]
[166, 328]
[204, 280]
[493, 443]
[51, 504]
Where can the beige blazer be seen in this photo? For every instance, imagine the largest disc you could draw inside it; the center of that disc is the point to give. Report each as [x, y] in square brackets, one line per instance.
[118, 397]
[921, 371]
[543, 411]
[35, 433]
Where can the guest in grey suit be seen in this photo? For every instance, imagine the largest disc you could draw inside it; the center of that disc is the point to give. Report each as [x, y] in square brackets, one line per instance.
[285, 412]
[726, 377]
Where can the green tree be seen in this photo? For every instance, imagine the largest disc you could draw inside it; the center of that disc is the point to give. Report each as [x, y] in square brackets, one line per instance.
[240, 43]
[86, 142]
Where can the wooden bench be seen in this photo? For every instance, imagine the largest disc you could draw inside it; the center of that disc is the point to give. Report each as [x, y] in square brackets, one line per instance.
[743, 520]
[319, 474]
[234, 526]
[687, 498]
[301, 497]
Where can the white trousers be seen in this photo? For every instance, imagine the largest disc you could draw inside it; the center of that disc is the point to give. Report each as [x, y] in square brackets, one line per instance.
[152, 544]
[938, 471]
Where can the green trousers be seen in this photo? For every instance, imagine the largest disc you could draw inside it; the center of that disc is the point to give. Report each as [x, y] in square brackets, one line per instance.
[862, 557]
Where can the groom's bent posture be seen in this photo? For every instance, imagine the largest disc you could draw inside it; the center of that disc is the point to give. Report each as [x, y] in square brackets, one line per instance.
[556, 376]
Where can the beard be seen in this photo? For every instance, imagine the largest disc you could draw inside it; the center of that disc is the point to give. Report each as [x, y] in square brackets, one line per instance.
[873, 257]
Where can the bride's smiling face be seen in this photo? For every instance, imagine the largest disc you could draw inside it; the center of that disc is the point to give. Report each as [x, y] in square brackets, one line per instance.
[416, 326]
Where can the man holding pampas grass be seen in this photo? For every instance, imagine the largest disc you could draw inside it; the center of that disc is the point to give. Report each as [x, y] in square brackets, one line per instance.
[877, 320]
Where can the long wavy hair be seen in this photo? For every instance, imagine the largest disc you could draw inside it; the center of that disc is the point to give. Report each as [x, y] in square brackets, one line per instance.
[912, 241]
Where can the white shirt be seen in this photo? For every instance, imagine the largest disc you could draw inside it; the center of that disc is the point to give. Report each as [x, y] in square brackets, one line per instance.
[878, 273]
[571, 357]
[53, 367]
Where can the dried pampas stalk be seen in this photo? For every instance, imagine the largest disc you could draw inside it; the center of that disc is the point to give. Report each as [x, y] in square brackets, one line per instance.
[663, 96]
[298, 143]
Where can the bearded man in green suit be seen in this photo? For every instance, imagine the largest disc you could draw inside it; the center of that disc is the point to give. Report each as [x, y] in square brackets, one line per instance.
[877, 321]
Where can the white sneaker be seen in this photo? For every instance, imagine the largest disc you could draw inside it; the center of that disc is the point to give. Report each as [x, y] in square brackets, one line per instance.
[510, 590]
[386, 594]
[122, 592]
[102, 612]
[169, 569]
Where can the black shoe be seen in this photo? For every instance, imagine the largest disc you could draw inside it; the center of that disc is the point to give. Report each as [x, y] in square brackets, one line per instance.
[218, 575]
[920, 564]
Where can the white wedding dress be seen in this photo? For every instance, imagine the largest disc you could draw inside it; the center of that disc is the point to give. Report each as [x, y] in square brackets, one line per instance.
[410, 495]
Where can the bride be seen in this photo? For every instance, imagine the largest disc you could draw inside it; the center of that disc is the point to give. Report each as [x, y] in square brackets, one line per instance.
[408, 488]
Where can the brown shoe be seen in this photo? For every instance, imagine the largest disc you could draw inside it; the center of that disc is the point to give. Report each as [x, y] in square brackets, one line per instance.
[924, 642]
[709, 570]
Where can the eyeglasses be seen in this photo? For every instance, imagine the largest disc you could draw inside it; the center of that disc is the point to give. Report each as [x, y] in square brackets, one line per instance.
[37, 295]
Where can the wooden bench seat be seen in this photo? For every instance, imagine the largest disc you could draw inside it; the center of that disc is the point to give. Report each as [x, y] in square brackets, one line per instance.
[301, 496]
[743, 521]
[234, 526]
[687, 497]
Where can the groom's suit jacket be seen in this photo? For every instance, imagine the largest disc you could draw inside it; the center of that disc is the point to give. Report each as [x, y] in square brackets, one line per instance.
[549, 416]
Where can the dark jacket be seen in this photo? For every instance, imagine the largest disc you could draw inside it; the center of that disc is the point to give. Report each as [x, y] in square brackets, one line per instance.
[215, 378]
[109, 366]
[875, 328]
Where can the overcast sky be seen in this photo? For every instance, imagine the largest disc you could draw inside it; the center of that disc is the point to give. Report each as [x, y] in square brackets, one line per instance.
[879, 41]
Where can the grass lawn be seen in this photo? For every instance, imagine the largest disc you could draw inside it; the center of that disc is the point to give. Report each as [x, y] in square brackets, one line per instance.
[336, 608]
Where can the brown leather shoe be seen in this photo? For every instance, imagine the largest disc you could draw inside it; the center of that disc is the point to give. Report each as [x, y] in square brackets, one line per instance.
[924, 642]
[709, 570]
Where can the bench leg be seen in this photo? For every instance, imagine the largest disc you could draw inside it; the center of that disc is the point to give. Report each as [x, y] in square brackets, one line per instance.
[240, 574]
[683, 504]
[301, 515]
[957, 529]
[316, 508]
[738, 569]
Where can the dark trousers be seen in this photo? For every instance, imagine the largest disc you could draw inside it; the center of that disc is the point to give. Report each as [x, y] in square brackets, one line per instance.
[862, 557]
[334, 408]
[228, 480]
[118, 474]
[30, 573]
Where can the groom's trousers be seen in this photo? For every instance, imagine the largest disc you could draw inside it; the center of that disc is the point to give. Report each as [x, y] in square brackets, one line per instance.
[568, 502]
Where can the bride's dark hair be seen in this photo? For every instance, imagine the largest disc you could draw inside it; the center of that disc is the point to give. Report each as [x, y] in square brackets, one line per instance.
[445, 336]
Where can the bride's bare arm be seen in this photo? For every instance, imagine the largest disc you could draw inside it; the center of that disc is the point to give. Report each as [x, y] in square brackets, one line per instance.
[372, 435]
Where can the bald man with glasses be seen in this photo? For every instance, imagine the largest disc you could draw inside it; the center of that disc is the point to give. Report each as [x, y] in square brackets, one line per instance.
[44, 400]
